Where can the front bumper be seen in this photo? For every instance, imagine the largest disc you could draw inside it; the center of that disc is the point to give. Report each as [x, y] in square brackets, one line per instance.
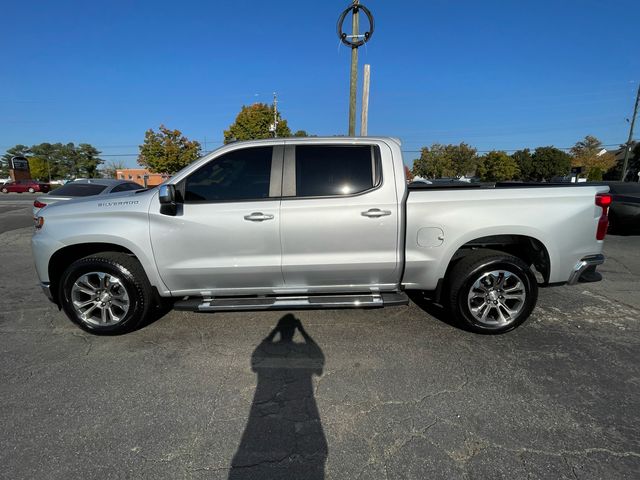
[46, 289]
[586, 268]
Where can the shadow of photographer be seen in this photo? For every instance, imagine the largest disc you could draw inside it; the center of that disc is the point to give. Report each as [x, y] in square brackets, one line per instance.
[283, 437]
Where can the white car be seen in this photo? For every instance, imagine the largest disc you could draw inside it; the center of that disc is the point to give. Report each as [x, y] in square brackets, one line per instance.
[83, 188]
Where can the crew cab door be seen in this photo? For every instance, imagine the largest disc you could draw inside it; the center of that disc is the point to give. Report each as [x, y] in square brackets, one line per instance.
[225, 236]
[339, 218]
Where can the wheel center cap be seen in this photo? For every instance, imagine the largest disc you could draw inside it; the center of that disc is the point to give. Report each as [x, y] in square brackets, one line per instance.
[493, 295]
[105, 297]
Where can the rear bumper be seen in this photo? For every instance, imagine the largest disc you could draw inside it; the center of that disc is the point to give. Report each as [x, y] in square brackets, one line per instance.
[586, 267]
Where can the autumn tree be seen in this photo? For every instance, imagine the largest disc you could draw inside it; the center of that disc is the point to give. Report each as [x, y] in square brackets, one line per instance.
[549, 162]
[496, 166]
[253, 123]
[167, 151]
[592, 157]
[440, 161]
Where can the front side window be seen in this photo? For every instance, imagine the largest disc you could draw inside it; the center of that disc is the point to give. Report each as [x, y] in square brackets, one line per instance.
[329, 170]
[238, 175]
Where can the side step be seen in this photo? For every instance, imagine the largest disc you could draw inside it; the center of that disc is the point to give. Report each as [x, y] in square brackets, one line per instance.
[310, 302]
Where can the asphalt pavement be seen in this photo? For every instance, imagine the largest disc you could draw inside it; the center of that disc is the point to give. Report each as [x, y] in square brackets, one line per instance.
[394, 393]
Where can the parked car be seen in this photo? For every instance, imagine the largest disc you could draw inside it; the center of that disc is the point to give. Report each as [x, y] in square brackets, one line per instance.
[624, 213]
[84, 188]
[21, 186]
[307, 223]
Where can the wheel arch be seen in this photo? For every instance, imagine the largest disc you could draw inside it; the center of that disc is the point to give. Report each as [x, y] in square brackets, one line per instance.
[65, 256]
[529, 249]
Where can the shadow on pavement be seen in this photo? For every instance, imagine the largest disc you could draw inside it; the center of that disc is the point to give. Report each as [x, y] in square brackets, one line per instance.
[433, 309]
[283, 438]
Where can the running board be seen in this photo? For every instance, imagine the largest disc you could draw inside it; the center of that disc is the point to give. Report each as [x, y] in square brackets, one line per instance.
[298, 302]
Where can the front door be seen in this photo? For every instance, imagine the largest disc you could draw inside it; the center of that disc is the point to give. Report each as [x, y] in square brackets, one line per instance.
[225, 238]
[339, 219]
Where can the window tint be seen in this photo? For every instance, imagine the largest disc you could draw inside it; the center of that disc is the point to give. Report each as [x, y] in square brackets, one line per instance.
[239, 175]
[79, 190]
[334, 170]
[628, 188]
[126, 187]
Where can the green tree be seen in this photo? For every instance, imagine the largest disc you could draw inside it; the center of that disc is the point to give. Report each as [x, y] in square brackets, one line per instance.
[167, 151]
[525, 164]
[253, 122]
[550, 162]
[301, 133]
[588, 154]
[497, 166]
[88, 160]
[440, 161]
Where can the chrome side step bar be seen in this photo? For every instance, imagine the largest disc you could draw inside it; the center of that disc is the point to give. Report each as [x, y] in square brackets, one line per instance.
[297, 302]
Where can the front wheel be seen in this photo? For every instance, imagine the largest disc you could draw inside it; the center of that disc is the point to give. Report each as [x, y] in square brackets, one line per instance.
[31, 190]
[5, 190]
[491, 291]
[106, 293]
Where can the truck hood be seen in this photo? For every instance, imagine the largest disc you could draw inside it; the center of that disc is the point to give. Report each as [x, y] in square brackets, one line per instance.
[131, 201]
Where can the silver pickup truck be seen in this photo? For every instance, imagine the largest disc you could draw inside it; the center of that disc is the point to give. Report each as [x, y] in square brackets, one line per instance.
[316, 223]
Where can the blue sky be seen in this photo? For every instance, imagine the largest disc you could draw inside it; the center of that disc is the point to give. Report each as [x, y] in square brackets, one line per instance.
[495, 74]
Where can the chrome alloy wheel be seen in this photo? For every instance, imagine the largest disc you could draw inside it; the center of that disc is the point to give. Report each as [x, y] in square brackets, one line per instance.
[496, 298]
[100, 299]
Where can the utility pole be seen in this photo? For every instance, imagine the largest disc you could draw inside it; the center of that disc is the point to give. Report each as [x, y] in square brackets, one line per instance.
[274, 126]
[630, 139]
[353, 85]
[354, 41]
[364, 119]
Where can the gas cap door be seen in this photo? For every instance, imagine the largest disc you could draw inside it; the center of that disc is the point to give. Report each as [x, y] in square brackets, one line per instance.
[430, 237]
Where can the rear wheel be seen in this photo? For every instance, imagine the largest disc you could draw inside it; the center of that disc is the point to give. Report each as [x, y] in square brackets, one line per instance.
[491, 291]
[5, 190]
[106, 293]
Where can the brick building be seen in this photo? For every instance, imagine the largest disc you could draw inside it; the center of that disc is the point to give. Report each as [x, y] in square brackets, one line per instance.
[142, 176]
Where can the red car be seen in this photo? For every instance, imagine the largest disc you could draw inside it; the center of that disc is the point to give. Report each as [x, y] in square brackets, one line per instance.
[21, 186]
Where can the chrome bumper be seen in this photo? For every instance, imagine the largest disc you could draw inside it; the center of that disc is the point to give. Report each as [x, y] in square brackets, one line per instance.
[583, 265]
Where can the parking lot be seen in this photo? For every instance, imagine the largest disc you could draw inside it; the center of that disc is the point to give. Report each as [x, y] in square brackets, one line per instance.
[393, 393]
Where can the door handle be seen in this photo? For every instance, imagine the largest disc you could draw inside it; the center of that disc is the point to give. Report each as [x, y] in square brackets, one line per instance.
[375, 213]
[258, 217]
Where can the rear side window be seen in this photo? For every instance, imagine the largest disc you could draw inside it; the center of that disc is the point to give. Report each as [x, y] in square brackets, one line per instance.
[329, 170]
[628, 188]
[125, 187]
[79, 190]
[239, 175]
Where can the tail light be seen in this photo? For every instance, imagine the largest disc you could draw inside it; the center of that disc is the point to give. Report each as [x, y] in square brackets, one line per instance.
[38, 204]
[603, 200]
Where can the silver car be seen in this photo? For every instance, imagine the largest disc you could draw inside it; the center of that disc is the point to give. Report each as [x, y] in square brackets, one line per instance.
[84, 188]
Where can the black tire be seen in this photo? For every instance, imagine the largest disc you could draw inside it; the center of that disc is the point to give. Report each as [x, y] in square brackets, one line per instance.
[131, 276]
[479, 265]
[5, 190]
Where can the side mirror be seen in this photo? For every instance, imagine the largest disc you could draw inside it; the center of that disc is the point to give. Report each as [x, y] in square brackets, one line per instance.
[168, 200]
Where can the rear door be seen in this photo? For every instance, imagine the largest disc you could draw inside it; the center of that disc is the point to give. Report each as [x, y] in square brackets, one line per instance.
[339, 218]
[225, 238]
